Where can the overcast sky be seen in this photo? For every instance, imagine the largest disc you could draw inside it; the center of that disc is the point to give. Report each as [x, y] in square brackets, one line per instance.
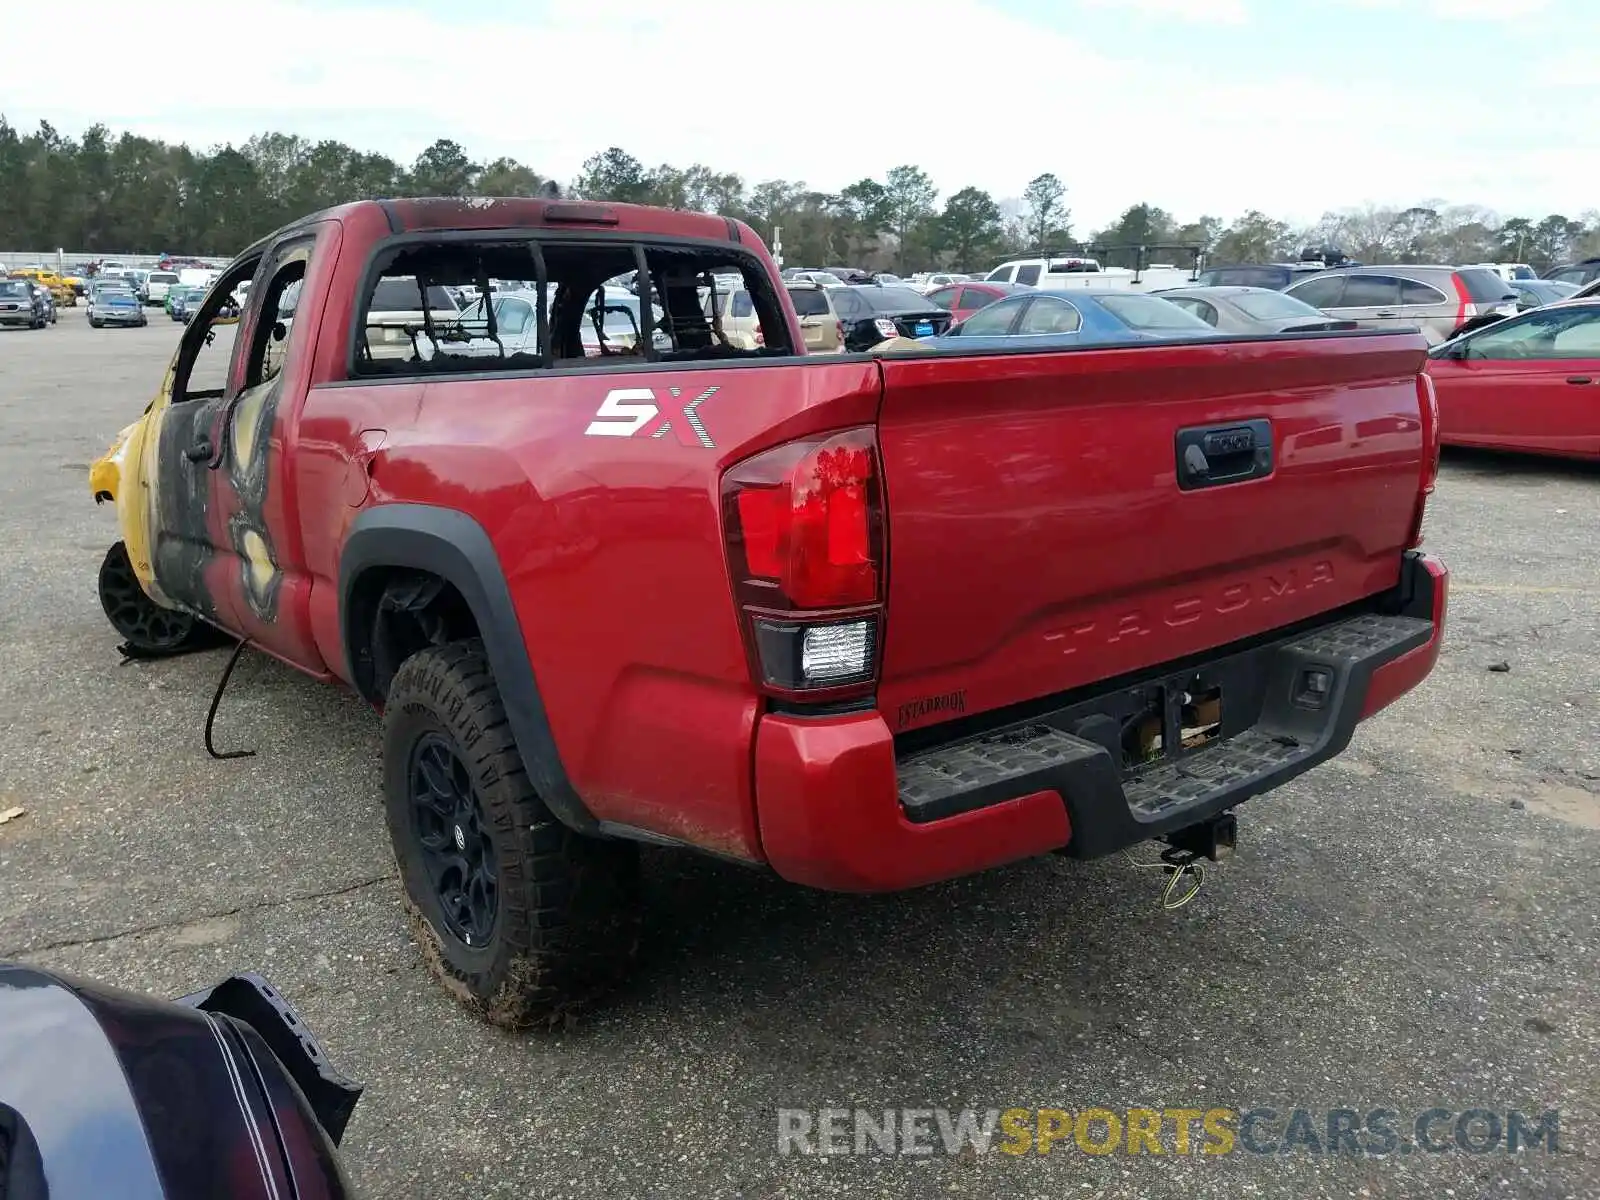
[1200, 106]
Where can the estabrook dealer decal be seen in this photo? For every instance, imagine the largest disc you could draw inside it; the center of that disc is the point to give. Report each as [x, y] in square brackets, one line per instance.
[913, 711]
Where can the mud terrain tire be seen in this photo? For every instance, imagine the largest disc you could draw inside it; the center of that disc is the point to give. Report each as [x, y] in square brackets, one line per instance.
[565, 914]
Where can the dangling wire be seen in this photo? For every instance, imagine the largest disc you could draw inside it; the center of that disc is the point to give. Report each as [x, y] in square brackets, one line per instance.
[1177, 870]
[216, 699]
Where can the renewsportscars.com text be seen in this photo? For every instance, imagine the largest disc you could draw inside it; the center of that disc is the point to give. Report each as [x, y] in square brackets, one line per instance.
[1370, 1132]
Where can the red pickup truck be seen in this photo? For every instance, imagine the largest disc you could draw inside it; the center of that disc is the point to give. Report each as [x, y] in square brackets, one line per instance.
[866, 621]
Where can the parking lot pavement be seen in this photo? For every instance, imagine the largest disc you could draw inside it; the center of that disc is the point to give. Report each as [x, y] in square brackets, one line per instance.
[1411, 925]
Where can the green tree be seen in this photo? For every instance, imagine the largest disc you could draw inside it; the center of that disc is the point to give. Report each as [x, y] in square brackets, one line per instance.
[706, 190]
[614, 174]
[771, 201]
[443, 169]
[230, 203]
[1046, 212]
[861, 213]
[969, 227]
[1516, 239]
[1254, 237]
[908, 198]
[507, 177]
[1141, 225]
[1203, 233]
[1553, 239]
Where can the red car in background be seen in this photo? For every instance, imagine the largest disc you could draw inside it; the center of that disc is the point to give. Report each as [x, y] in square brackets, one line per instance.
[964, 299]
[1530, 383]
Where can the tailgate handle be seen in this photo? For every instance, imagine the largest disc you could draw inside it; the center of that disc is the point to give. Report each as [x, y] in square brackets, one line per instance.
[1212, 455]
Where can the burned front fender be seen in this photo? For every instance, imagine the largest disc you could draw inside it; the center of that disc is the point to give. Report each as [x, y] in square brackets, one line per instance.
[110, 1093]
[105, 472]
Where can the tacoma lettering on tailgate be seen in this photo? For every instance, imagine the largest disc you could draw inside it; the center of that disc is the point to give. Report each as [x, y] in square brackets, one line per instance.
[1188, 609]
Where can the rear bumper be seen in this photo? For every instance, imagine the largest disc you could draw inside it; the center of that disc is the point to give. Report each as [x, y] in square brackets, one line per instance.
[839, 809]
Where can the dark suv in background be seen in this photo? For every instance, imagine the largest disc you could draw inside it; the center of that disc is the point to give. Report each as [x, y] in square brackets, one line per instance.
[23, 302]
[1579, 273]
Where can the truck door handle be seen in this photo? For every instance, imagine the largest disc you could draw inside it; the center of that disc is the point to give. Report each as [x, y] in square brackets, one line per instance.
[1385, 312]
[1579, 379]
[1213, 455]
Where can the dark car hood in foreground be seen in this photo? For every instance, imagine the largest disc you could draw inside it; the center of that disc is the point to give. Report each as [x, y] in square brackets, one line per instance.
[109, 1093]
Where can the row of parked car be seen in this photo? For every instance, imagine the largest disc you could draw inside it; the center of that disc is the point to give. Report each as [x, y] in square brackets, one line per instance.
[1515, 359]
[1490, 334]
[109, 300]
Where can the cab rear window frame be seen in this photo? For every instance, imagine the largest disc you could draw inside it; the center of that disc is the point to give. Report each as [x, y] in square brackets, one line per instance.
[383, 251]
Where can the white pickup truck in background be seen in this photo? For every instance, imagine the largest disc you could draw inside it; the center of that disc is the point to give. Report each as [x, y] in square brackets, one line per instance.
[1073, 272]
[157, 284]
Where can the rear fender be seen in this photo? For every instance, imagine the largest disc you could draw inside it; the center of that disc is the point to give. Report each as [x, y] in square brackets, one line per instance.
[454, 547]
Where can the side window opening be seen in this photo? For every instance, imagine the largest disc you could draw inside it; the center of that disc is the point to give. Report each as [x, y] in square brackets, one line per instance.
[557, 302]
[1028, 274]
[201, 371]
[408, 321]
[688, 283]
[274, 326]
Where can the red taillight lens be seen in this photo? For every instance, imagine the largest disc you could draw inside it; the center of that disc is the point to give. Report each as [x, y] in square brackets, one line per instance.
[1465, 308]
[1428, 406]
[805, 523]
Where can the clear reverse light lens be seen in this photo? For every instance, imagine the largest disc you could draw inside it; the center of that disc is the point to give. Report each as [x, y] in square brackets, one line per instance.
[830, 652]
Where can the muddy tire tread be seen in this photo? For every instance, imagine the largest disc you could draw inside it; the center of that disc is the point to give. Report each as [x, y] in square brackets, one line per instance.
[568, 924]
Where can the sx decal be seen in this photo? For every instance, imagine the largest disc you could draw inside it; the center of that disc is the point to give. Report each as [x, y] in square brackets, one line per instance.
[627, 411]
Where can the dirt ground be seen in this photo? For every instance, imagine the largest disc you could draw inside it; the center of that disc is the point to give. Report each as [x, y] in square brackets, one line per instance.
[1411, 925]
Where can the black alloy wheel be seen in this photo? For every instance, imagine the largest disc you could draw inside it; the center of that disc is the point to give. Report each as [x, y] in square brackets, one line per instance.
[145, 624]
[456, 849]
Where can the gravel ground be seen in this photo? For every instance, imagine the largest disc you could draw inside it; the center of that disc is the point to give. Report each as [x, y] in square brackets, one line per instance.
[1409, 926]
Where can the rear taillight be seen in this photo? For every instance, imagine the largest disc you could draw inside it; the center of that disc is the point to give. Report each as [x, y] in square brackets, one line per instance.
[839, 325]
[886, 327]
[804, 527]
[1465, 308]
[1428, 405]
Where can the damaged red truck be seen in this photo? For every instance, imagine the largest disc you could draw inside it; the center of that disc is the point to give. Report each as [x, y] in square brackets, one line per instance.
[867, 621]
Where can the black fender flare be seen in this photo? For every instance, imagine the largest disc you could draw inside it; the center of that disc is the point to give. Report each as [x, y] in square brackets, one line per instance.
[453, 546]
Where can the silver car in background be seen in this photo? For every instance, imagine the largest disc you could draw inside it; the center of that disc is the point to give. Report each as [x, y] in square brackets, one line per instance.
[1536, 293]
[1437, 300]
[1252, 310]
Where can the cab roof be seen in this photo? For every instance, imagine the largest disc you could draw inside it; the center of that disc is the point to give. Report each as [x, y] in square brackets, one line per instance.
[422, 214]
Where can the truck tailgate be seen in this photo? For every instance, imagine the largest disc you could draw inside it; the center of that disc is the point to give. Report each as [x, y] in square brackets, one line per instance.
[1040, 537]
